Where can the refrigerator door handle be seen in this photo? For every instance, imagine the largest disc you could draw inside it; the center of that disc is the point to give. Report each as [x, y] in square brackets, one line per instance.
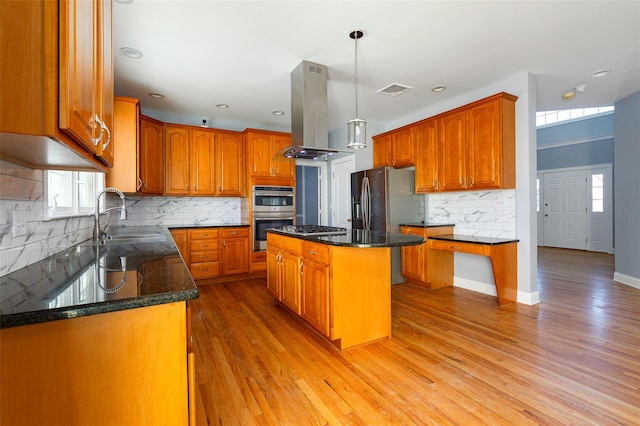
[365, 200]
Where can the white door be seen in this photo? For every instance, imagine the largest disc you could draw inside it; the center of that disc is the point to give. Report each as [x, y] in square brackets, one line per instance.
[341, 170]
[565, 209]
[600, 208]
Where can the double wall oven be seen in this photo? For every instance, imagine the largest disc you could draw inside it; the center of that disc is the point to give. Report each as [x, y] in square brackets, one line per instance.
[273, 206]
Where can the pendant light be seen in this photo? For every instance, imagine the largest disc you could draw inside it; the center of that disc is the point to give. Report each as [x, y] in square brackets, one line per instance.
[356, 127]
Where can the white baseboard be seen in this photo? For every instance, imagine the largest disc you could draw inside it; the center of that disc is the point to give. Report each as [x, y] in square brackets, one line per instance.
[490, 289]
[626, 279]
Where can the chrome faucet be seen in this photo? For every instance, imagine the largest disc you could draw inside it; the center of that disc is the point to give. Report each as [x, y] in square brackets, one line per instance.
[97, 232]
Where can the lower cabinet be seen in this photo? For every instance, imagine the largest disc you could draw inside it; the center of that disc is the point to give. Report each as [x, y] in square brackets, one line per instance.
[214, 252]
[126, 367]
[318, 283]
[424, 266]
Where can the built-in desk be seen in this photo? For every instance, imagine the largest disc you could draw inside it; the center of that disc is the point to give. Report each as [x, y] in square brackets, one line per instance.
[502, 252]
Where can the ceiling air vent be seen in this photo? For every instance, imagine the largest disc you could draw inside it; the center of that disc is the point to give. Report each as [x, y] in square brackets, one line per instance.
[394, 89]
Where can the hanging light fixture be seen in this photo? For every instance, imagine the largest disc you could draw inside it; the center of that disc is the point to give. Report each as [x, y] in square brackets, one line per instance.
[356, 127]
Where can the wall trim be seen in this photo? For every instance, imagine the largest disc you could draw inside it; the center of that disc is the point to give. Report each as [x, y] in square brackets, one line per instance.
[626, 280]
[532, 298]
[576, 141]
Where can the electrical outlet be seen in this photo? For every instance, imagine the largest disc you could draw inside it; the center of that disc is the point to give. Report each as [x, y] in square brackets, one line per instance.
[19, 227]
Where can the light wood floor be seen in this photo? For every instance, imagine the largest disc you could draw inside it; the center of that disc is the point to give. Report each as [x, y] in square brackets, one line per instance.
[456, 357]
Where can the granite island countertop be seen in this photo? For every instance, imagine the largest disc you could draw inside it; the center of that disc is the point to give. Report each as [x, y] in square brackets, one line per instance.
[360, 238]
[88, 279]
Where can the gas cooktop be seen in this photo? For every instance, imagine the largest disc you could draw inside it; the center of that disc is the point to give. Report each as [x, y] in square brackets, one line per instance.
[305, 230]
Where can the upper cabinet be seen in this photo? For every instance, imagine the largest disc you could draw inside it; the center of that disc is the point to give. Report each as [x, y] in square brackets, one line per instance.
[395, 148]
[202, 162]
[57, 100]
[150, 156]
[471, 147]
[262, 147]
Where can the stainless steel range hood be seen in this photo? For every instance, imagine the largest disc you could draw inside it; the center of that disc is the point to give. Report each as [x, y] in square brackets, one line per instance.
[309, 118]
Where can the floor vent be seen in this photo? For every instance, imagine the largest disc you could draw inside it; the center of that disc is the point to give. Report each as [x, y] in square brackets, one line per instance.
[394, 89]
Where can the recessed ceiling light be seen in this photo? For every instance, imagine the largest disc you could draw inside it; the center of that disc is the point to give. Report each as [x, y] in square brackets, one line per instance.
[580, 88]
[222, 106]
[130, 52]
[600, 73]
[568, 95]
[156, 95]
[277, 112]
[437, 89]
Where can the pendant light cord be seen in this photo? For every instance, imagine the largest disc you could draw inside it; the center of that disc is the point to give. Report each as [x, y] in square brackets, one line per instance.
[356, 71]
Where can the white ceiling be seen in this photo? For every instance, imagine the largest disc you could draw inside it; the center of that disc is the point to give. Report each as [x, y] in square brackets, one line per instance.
[202, 53]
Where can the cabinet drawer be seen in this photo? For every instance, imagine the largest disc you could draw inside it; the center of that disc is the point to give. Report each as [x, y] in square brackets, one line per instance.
[480, 249]
[204, 234]
[292, 244]
[205, 256]
[412, 230]
[205, 270]
[316, 251]
[203, 245]
[235, 233]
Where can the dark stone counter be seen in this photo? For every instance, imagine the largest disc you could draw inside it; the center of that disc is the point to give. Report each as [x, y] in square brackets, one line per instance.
[490, 241]
[427, 225]
[360, 238]
[89, 279]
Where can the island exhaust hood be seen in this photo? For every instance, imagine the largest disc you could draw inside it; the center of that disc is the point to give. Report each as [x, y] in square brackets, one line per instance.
[309, 118]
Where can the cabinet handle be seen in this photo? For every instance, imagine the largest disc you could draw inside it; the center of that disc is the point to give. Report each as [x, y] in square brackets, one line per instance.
[462, 181]
[96, 120]
[139, 184]
[219, 188]
[204, 256]
[224, 244]
[104, 126]
[313, 252]
[301, 265]
[234, 233]
[186, 188]
[195, 188]
[470, 180]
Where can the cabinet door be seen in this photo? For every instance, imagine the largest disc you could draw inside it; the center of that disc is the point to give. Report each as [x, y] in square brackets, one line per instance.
[413, 266]
[235, 256]
[176, 146]
[452, 151]
[382, 151]
[202, 162]
[182, 242]
[78, 73]
[229, 164]
[315, 295]
[273, 271]
[282, 167]
[260, 153]
[125, 135]
[484, 154]
[151, 154]
[426, 146]
[104, 82]
[290, 295]
[402, 148]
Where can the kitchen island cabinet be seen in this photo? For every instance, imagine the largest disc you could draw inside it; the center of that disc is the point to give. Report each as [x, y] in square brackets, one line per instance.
[344, 282]
[99, 335]
[422, 265]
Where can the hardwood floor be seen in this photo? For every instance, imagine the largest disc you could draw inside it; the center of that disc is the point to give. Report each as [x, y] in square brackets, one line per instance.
[456, 357]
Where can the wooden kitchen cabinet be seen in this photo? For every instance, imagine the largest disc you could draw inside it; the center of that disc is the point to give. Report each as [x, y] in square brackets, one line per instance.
[150, 157]
[204, 253]
[426, 147]
[284, 270]
[86, 75]
[315, 286]
[274, 265]
[58, 81]
[127, 367]
[262, 161]
[476, 145]
[394, 149]
[202, 162]
[181, 238]
[235, 250]
[424, 266]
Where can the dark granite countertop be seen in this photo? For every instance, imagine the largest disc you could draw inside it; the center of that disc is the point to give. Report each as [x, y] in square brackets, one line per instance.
[491, 241]
[220, 225]
[427, 225]
[360, 238]
[89, 279]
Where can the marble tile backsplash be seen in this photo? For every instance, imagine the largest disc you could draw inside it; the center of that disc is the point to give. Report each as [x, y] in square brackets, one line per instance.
[480, 213]
[22, 199]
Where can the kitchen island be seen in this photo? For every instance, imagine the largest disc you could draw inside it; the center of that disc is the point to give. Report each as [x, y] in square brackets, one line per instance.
[340, 285]
[99, 334]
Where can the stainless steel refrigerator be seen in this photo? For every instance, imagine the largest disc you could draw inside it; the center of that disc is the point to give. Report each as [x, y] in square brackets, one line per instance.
[382, 199]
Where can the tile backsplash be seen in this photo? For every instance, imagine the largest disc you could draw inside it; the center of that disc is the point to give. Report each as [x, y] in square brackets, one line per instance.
[22, 200]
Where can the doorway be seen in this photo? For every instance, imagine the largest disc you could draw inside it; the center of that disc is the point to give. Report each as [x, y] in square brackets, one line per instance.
[575, 208]
[311, 193]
